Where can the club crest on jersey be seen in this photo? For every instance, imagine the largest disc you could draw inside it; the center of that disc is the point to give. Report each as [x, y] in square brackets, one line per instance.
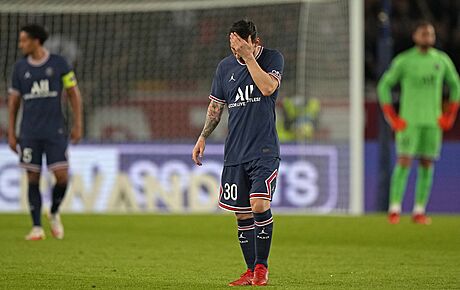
[276, 74]
[49, 71]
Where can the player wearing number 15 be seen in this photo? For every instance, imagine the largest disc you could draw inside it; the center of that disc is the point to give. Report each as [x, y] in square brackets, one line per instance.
[38, 80]
[247, 83]
[421, 71]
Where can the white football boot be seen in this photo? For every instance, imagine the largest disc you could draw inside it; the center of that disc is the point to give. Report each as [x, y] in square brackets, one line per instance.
[57, 228]
[36, 234]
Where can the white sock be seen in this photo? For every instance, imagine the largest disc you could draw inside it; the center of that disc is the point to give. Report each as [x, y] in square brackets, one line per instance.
[395, 208]
[419, 209]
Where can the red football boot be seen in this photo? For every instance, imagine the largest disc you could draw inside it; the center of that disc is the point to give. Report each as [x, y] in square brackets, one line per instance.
[244, 280]
[260, 275]
[421, 219]
[394, 218]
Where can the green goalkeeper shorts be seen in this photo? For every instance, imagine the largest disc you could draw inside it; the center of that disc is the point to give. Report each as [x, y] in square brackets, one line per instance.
[419, 141]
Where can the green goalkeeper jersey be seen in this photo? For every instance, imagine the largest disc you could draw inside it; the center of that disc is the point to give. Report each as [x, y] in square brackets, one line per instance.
[421, 76]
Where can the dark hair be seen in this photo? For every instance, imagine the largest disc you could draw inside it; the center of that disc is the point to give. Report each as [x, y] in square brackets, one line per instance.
[244, 28]
[36, 31]
[422, 24]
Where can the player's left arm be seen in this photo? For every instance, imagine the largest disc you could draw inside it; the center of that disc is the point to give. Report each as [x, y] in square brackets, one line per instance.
[266, 82]
[447, 120]
[73, 93]
[14, 102]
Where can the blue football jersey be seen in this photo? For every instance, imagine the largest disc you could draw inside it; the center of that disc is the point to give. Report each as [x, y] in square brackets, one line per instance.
[252, 121]
[40, 86]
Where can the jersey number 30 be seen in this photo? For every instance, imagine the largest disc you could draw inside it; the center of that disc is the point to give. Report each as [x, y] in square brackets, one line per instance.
[230, 191]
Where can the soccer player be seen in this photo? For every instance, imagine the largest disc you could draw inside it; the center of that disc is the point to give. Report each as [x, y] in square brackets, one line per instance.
[247, 83]
[37, 82]
[421, 72]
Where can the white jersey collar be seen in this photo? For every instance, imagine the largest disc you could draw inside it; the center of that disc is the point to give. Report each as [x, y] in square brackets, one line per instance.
[41, 61]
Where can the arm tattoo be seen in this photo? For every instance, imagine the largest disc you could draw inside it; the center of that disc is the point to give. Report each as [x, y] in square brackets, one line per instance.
[212, 118]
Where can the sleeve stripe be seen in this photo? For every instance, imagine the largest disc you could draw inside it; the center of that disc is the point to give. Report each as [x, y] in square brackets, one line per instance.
[276, 77]
[217, 99]
[13, 91]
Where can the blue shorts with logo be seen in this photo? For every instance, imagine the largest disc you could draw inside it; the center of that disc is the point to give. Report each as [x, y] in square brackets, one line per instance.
[243, 182]
[31, 153]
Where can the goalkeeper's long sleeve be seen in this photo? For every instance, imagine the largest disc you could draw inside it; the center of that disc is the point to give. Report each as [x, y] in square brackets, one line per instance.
[388, 80]
[447, 120]
[452, 80]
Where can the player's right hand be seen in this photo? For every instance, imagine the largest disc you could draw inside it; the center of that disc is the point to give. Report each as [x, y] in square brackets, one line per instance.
[198, 150]
[13, 142]
[397, 123]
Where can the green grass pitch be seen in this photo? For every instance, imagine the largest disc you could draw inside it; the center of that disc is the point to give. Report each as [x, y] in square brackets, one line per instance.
[202, 252]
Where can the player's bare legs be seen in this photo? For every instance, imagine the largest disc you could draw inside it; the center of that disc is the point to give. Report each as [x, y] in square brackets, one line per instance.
[398, 187]
[263, 220]
[246, 237]
[59, 190]
[35, 205]
[422, 191]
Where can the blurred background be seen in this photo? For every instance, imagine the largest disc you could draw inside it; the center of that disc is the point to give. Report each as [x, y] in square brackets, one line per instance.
[145, 70]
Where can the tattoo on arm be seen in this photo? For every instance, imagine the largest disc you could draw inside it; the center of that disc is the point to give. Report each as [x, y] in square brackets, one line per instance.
[215, 111]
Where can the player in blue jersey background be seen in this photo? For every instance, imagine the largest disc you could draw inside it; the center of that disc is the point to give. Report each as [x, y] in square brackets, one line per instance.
[247, 82]
[37, 82]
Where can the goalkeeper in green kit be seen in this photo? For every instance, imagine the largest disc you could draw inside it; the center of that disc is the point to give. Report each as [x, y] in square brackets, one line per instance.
[421, 72]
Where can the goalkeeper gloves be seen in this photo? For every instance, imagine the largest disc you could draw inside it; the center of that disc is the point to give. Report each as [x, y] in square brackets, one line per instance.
[447, 119]
[396, 123]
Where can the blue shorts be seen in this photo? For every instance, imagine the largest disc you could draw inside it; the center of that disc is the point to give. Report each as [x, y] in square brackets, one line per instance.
[31, 153]
[243, 182]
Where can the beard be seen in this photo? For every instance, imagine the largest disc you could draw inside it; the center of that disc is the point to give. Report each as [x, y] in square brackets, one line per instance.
[425, 46]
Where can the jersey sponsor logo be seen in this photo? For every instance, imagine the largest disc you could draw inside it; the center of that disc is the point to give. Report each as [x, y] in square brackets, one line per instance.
[27, 75]
[244, 96]
[429, 79]
[40, 89]
[240, 96]
[232, 78]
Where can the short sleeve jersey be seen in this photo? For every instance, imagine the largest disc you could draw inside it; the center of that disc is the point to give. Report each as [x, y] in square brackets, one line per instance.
[40, 86]
[252, 121]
